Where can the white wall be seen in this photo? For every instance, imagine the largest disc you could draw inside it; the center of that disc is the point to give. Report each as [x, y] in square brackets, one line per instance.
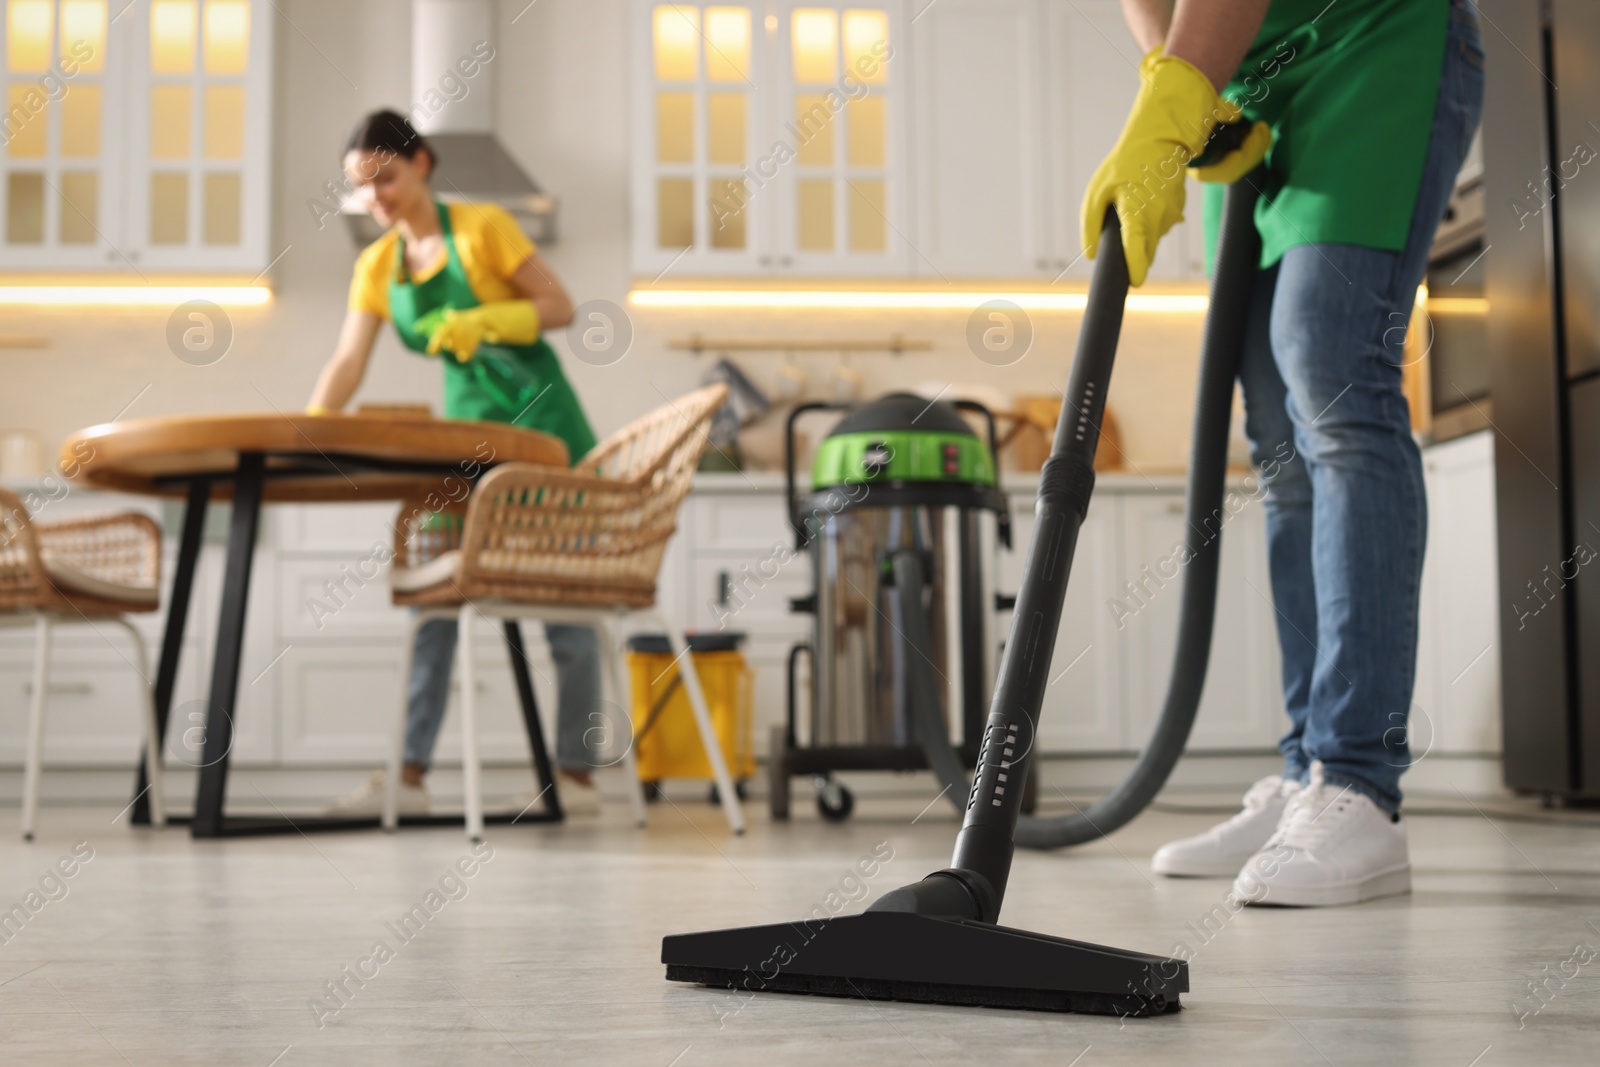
[562, 76]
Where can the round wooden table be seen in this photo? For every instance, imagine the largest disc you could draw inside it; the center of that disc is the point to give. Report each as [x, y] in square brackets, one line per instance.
[304, 457]
[254, 458]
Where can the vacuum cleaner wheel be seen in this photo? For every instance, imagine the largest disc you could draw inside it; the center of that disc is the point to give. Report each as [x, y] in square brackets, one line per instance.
[834, 801]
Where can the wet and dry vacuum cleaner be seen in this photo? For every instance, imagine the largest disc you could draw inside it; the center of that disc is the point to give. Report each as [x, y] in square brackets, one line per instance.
[902, 602]
[938, 940]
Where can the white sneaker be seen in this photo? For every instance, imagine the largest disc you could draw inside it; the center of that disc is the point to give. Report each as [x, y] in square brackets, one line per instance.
[1223, 849]
[1332, 846]
[576, 798]
[368, 800]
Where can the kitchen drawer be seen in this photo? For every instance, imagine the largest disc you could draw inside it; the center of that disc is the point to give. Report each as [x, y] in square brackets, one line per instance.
[746, 522]
[735, 589]
[341, 703]
[93, 715]
[336, 528]
[336, 597]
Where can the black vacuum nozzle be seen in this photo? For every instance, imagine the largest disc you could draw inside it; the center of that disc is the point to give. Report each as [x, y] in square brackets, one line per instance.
[896, 955]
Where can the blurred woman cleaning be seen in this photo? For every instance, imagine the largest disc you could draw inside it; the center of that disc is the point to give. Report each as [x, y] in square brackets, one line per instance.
[462, 284]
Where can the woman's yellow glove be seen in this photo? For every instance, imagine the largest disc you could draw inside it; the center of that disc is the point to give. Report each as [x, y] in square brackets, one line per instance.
[1172, 117]
[504, 322]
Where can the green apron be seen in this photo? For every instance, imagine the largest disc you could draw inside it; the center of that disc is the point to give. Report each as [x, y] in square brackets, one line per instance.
[518, 384]
[1349, 89]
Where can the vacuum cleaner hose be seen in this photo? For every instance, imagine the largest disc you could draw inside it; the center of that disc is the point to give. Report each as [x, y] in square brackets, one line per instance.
[974, 884]
[926, 714]
[1238, 252]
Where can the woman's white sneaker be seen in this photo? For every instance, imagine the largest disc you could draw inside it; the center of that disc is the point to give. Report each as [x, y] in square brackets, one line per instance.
[368, 800]
[1332, 846]
[1223, 849]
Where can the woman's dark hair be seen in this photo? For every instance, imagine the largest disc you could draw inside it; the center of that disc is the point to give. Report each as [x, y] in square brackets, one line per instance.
[392, 132]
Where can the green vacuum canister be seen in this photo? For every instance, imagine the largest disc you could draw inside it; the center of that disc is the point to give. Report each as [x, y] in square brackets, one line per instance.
[913, 450]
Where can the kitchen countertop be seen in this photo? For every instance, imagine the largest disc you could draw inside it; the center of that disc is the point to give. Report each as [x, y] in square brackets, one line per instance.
[1150, 480]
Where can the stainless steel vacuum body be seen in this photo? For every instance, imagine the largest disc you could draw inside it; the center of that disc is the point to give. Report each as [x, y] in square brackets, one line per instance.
[898, 478]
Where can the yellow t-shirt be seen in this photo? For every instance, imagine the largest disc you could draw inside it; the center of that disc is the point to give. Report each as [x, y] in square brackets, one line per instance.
[489, 243]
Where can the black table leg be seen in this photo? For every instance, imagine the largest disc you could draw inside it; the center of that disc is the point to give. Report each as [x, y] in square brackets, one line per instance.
[543, 773]
[194, 518]
[208, 817]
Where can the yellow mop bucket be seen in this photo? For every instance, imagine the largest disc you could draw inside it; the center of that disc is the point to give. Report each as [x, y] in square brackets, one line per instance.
[666, 740]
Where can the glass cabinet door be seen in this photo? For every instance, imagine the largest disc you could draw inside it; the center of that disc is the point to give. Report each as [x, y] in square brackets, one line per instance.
[134, 137]
[768, 139]
[197, 184]
[698, 201]
[841, 102]
[58, 136]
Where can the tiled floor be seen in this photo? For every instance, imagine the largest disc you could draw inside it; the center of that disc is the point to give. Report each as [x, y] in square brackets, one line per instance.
[159, 950]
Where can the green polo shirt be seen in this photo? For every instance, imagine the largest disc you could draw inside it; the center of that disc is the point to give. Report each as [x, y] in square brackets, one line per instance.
[1349, 88]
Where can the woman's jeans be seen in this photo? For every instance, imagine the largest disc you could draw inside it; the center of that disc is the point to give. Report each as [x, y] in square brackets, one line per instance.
[1345, 506]
[576, 651]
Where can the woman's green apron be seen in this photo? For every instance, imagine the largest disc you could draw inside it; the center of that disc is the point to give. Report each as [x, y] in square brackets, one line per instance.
[518, 384]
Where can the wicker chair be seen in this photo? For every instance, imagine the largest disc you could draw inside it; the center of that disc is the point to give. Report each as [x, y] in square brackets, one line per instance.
[580, 546]
[78, 571]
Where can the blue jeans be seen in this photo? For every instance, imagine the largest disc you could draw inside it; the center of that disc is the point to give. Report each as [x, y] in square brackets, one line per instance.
[576, 651]
[1345, 505]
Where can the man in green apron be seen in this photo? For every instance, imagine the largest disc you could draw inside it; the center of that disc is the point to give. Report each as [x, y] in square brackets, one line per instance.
[1363, 111]
[462, 283]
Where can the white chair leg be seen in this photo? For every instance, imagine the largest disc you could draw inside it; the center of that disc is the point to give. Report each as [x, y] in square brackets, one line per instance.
[152, 734]
[391, 780]
[469, 726]
[619, 686]
[35, 756]
[702, 718]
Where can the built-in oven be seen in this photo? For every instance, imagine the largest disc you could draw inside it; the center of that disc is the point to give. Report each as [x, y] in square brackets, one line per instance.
[1454, 312]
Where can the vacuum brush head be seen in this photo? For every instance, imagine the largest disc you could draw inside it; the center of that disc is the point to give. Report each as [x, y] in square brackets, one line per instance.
[889, 955]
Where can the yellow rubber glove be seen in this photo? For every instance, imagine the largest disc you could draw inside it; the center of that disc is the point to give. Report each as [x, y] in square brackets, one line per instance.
[504, 322]
[318, 409]
[1241, 160]
[1173, 115]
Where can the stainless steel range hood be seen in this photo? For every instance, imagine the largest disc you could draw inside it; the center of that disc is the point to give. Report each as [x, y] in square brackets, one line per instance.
[454, 109]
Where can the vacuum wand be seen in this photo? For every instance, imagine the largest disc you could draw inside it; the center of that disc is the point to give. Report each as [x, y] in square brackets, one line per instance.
[1065, 485]
[975, 883]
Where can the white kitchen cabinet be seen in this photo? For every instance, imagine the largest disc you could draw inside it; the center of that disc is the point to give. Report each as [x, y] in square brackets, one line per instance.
[965, 156]
[255, 725]
[63, 136]
[137, 135]
[342, 701]
[840, 95]
[1091, 78]
[313, 696]
[768, 139]
[980, 159]
[1083, 702]
[94, 715]
[740, 568]
[1242, 707]
[1456, 705]
[199, 134]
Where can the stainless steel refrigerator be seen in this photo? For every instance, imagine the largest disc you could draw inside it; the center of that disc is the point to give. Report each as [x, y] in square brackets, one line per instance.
[1542, 279]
